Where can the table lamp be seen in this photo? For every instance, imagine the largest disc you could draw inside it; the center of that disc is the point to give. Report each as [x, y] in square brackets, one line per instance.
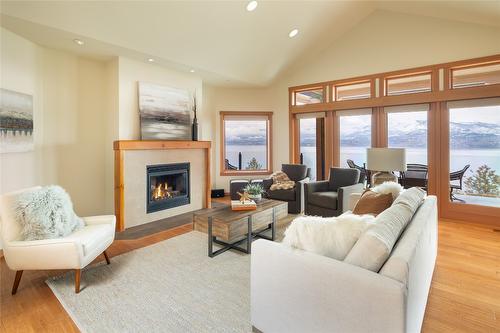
[383, 161]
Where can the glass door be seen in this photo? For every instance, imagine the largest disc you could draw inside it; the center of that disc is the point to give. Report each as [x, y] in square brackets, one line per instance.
[474, 152]
[407, 128]
[355, 130]
[311, 144]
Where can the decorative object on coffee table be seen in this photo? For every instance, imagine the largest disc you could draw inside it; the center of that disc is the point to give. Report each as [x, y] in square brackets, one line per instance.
[255, 191]
[194, 129]
[230, 228]
[244, 203]
[383, 161]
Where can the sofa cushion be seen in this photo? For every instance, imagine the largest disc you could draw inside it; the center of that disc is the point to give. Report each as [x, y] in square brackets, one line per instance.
[295, 172]
[323, 199]
[46, 213]
[340, 177]
[372, 203]
[284, 195]
[328, 236]
[375, 245]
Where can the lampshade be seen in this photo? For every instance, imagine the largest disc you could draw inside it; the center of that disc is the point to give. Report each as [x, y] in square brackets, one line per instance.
[386, 159]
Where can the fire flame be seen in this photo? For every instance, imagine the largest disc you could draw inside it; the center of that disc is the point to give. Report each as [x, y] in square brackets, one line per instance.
[161, 192]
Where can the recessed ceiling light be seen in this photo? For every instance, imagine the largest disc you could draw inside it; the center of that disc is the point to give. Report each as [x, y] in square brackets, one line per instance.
[252, 5]
[151, 60]
[293, 33]
[78, 41]
[191, 70]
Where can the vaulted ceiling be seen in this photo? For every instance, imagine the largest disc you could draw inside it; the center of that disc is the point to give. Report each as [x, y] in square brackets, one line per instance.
[220, 40]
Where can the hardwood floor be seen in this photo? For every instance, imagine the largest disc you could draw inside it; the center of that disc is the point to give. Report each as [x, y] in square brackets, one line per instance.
[464, 297]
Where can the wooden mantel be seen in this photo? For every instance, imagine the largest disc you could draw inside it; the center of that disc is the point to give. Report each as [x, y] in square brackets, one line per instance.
[157, 144]
[121, 145]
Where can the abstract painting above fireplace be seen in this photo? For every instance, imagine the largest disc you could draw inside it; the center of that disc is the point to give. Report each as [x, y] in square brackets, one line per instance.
[167, 186]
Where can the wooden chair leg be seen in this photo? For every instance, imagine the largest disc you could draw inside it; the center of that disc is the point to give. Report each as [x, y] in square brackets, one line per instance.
[107, 258]
[17, 279]
[78, 274]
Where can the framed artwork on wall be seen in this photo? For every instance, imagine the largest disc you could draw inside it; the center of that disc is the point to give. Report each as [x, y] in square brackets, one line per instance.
[16, 122]
[164, 112]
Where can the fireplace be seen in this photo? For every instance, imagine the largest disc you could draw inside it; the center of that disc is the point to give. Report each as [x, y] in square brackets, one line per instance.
[167, 186]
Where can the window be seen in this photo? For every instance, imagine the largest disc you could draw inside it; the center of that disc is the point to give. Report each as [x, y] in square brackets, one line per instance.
[311, 148]
[310, 96]
[407, 128]
[355, 135]
[475, 76]
[408, 84]
[352, 91]
[245, 144]
[475, 152]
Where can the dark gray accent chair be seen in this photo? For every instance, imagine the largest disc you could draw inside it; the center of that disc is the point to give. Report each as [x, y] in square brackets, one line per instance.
[300, 174]
[330, 197]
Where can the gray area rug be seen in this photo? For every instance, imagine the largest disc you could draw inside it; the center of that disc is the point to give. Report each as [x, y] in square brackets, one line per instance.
[171, 286]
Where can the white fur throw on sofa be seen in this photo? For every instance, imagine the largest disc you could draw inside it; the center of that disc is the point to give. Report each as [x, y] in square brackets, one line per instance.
[328, 236]
[389, 187]
[46, 213]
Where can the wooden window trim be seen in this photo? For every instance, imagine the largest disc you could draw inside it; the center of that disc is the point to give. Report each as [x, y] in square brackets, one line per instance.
[386, 80]
[293, 94]
[435, 95]
[438, 131]
[467, 66]
[269, 143]
[333, 89]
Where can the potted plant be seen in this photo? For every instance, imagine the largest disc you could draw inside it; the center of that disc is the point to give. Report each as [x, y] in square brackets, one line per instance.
[254, 191]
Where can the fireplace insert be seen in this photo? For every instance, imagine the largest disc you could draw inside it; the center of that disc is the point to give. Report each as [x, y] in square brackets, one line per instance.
[167, 186]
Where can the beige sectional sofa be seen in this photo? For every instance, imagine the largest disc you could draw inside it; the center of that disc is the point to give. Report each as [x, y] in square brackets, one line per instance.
[297, 291]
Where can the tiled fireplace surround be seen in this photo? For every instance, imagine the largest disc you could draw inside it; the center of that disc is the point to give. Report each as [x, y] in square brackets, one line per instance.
[131, 161]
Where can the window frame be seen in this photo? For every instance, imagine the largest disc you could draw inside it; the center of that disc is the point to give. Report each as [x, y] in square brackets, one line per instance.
[469, 66]
[335, 87]
[408, 75]
[437, 125]
[269, 143]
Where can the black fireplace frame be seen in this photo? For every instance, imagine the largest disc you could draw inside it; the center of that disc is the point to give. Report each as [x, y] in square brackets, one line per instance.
[167, 169]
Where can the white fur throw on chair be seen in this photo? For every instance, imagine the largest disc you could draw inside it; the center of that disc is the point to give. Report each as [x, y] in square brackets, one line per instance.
[328, 236]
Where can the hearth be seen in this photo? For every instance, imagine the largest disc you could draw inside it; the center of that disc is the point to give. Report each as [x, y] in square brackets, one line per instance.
[167, 186]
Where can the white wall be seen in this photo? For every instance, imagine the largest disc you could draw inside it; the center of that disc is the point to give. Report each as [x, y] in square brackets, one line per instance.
[384, 41]
[131, 72]
[18, 72]
[69, 96]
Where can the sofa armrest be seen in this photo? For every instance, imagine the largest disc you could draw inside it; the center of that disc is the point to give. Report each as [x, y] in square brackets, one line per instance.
[297, 291]
[353, 200]
[345, 192]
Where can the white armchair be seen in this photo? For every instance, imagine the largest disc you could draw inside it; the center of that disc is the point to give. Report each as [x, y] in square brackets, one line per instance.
[72, 252]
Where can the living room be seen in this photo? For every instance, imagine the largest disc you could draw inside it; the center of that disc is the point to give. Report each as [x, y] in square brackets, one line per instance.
[180, 132]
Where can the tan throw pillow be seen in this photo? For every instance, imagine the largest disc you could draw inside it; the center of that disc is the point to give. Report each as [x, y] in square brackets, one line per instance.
[373, 203]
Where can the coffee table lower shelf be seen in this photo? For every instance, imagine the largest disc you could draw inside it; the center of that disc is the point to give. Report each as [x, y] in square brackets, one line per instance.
[250, 237]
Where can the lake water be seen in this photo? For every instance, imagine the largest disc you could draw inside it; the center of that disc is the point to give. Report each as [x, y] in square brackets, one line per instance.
[459, 158]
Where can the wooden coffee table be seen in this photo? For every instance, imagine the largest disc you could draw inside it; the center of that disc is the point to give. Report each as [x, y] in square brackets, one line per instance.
[230, 228]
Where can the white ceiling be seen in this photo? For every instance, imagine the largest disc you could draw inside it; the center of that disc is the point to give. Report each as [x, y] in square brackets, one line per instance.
[224, 43]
